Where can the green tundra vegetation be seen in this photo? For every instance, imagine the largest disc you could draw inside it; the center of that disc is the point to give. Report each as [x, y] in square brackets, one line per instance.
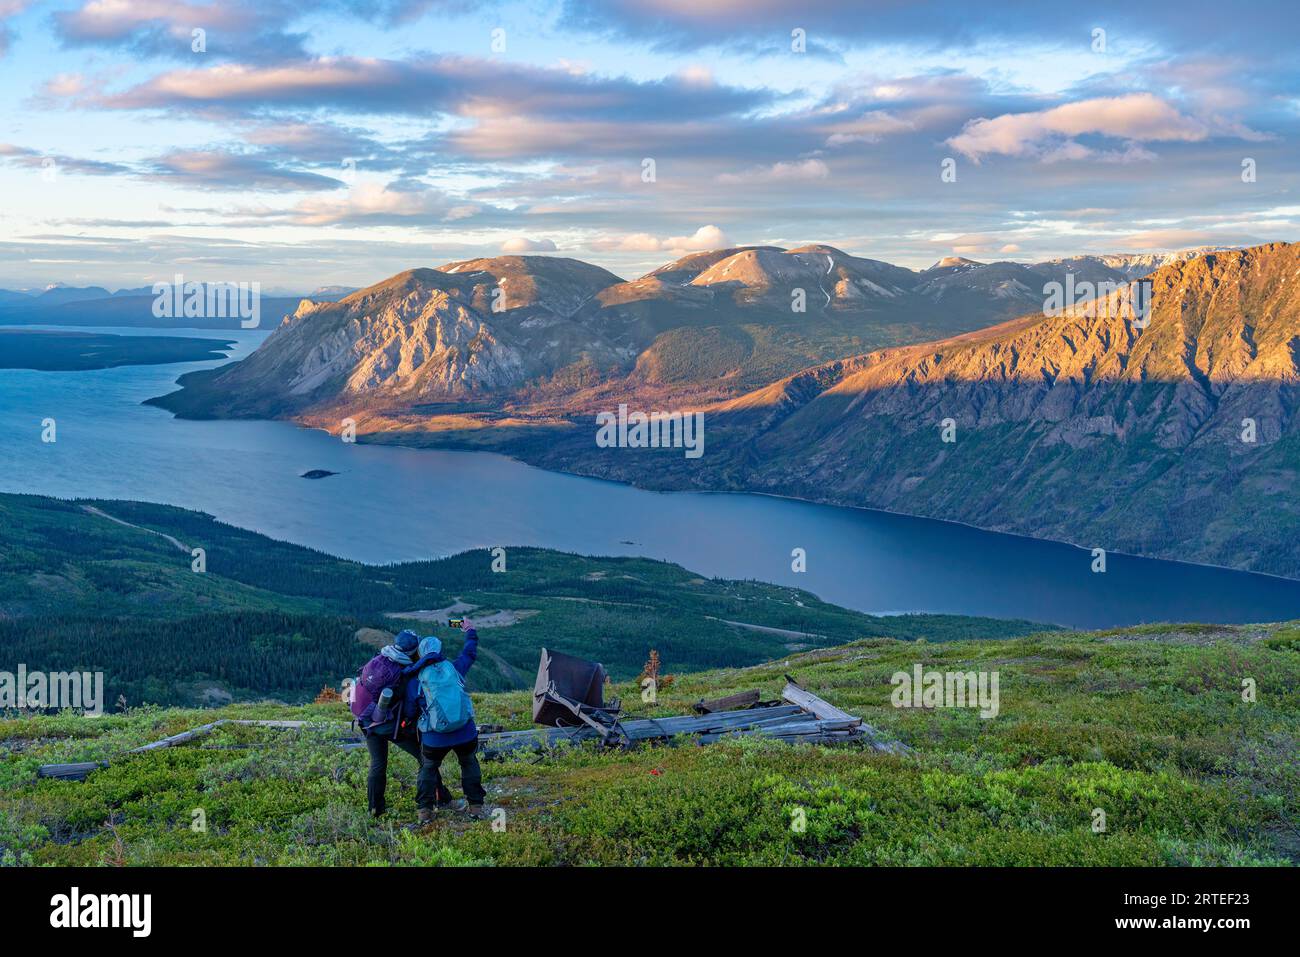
[110, 586]
[1148, 725]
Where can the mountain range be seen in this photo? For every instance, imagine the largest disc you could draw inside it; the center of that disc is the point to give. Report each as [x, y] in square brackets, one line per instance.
[539, 328]
[1175, 437]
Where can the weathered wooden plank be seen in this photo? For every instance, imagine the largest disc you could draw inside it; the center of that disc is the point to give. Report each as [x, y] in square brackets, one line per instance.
[814, 705]
[824, 710]
[70, 772]
[734, 702]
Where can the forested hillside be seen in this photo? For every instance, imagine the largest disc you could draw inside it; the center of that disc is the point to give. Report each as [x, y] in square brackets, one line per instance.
[111, 586]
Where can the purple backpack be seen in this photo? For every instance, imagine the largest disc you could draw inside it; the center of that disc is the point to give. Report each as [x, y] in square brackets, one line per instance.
[378, 674]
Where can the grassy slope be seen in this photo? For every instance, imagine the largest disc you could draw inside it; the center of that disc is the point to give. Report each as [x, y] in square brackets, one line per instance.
[79, 590]
[1146, 724]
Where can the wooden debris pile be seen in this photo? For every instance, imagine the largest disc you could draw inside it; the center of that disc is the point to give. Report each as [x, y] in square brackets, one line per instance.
[799, 716]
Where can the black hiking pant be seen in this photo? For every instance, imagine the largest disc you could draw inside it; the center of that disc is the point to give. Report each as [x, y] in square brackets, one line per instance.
[427, 783]
[471, 776]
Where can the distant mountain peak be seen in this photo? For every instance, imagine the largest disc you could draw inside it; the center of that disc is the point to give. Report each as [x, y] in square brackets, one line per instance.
[952, 262]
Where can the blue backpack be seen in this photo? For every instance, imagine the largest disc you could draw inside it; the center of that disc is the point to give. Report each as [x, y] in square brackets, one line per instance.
[446, 705]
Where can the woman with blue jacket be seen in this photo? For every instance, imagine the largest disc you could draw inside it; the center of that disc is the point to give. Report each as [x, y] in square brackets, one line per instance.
[436, 745]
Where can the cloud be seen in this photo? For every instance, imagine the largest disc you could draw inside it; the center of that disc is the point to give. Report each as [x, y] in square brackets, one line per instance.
[223, 170]
[1048, 134]
[764, 26]
[704, 238]
[243, 29]
[323, 143]
[9, 9]
[372, 204]
[1170, 239]
[32, 159]
[522, 244]
[867, 128]
[419, 86]
[974, 244]
[803, 171]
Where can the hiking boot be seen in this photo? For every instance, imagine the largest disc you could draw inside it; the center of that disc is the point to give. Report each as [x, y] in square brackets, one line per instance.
[476, 811]
[424, 816]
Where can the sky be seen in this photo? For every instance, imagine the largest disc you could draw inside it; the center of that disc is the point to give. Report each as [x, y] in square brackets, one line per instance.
[302, 144]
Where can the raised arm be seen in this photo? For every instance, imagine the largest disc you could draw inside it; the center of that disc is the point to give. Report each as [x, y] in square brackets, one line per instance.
[469, 652]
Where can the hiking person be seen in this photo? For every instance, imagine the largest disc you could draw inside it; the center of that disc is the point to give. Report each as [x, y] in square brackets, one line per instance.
[447, 720]
[378, 706]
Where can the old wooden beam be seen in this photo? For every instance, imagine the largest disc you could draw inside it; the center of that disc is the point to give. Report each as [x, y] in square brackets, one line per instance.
[814, 705]
[735, 702]
[824, 710]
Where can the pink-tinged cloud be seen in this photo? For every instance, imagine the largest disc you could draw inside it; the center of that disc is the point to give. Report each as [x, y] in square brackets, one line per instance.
[704, 238]
[104, 20]
[477, 88]
[1049, 134]
[522, 244]
[374, 204]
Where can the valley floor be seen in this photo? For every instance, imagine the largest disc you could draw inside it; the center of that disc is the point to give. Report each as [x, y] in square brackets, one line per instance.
[1131, 747]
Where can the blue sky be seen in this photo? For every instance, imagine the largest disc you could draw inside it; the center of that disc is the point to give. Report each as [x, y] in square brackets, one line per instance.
[340, 142]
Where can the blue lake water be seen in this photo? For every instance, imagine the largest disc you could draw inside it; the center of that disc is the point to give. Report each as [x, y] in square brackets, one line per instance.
[391, 504]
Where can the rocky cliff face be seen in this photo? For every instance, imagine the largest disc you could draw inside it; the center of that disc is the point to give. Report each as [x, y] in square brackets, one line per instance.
[476, 327]
[1179, 439]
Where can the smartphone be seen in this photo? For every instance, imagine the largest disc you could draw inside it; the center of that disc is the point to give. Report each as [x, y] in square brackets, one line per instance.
[455, 622]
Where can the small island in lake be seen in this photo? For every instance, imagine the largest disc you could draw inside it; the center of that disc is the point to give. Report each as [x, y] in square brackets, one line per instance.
[318, 474]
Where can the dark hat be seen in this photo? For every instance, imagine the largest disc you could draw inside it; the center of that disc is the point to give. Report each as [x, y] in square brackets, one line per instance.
[407, 641]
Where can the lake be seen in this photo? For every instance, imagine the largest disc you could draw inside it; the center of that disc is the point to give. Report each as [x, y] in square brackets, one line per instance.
[390, 504]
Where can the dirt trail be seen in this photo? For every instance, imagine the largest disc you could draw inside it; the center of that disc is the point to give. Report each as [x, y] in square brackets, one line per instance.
[90, 509]
[766, 628]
